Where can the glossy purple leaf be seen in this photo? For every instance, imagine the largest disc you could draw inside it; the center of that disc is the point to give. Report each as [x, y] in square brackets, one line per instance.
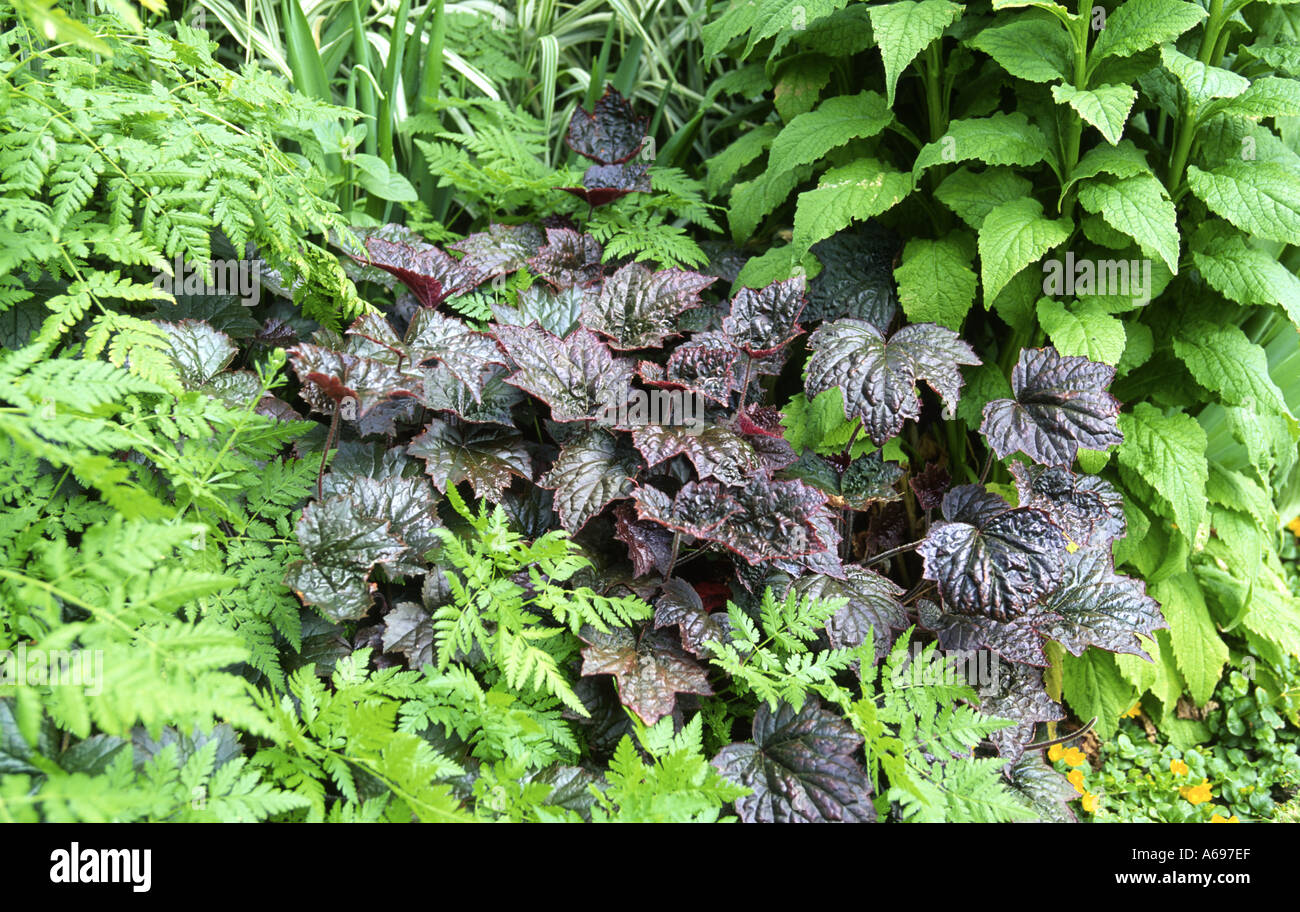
[638, 307]
[680, 606]
[577, 376]
[568, 258]
[501, 249]
[1095, 606]
[610, 133]
[486, 456]
[715, 451]
[651, 669]
[592, 470]
[873, 607]
[1088, 509]
[764, 320]
[602, 184]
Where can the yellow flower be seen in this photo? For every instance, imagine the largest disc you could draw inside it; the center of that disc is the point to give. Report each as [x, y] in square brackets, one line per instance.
[1294, 526]
[1055, 752]
[1197, 794]
[1134, 712]
[1074, 757]
[1219, 818]
[1076, 780]
[1090, 803]
[1178, 768]
[1071, 547]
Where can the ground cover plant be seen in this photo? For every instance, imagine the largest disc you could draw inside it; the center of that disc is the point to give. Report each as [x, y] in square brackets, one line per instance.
[900, 426]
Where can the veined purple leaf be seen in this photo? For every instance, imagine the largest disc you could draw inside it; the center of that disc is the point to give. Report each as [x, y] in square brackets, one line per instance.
[1044, 788]
[501, 249]
[488, 400]
[198, 351]
[1060, 404]
[879, 377]
[760, 421]
[486, 456]
[649, 545]
[802, 767]
[715, 451]
[431, 274]
[764, 320]
[651, 669]
[408, 630]
[1095, 606]
[930, 485]
[591, 471]
[602, 184]
[857, 277]
[568, 258]
[680, 606]
[637, 307]
[405, 502]
[697, 368]
[576, 376]
[339, 376]
[764, 520]
[1017, 640]
[433, 336]
[611, 133]
[873, 607]
[870, 480]
[1088, 509]
[1019, 695]
[339, 550]
[990, 559]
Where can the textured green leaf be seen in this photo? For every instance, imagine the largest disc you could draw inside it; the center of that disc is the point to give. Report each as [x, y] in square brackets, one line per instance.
[852, 192]
[1223, 359]
[935, 281]
[973, 196]
[1000, 139]
[1139, 207]
[1093, 686]
[1139, 24]
[1260, 197]
[1198, 649]
[1168, 453]
[1245, 274]
[1200, 81]
[1084, 329]
[1013, 235]
[831, 124]
[1034, 49]
[904, 29]
[1106, 107]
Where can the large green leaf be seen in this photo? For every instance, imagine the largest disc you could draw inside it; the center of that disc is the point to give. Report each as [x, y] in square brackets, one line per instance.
[831, 124]
[1139, 207]
[1000, 139]
[1198, 649]
[936, 283]
[1034, 49]
[1222, 358]
[859, 190]
[1167, 452]
[904, 29]
[1139, 24]
[1013, 235]
[1260, 197]
[1106, 107]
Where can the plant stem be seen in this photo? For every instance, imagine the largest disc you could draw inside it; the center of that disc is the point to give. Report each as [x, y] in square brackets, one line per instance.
[893, 552]
[1186, 116]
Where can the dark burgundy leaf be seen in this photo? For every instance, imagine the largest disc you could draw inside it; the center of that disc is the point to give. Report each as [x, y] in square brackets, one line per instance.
[486, 401]
[339, 376]
[339, 551]
[501, 249]
[408, 629]
[1095, 606]
[592, 470]
[680, 605]
[275, 333]
[774, 454]
[406, 502]
[611, 133]
[802, 767]
[989, 559]
[857, 277]
[431, 274]
[1088, 509]
[198, 351]
[1046, 790]
[638, 307]
[870, 479]
[760, 421]
[886, 529]
[764, 520]
[715, 451]
[649, 545]
[879, 377]
[1016, 640]
[873, 607]
[651, 669]
[577, 376]
[433, 336]
[1060, 404]
[762, 321]
[697, 368]
[930, 485]
[1018, 695]
[602, 184]
[568, 258]
[484, 455]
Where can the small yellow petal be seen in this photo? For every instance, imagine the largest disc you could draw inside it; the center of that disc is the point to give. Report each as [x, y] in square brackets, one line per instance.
[1134, 712]
[1294, 526]
[1089, 802]
[1197, 794]
[1076, 779]
[1055, 752]
[1219, 818]
[1074, 757]
[1178, 768]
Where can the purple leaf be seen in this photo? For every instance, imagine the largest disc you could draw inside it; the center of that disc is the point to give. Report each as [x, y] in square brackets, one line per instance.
[577, 376]
[591, 471]
[715, 451]
[650, 669]
[611, 133]
[568, 258]
[765, 320]
[602, 184]
[486, 456]
[1088, 509]
[638, 307]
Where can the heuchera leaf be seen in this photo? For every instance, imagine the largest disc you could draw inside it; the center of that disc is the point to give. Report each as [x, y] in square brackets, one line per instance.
[408, 629]
[802, 767]
[680, 605]
[577, 376]
[989, 559]
[198, 351]
[556, 310]
[433, 336]
[405, 501]
[1060, 404]
[878, 376]
[715, 451]
[484, 455]
[1095, 606]
[602, 184]
[638, 307]
[869, 480]
[764, 520]
[501, 249]
[488, 400]
[649, 545]
[1088, 509]
[696, 367]
[1016, 640]
[651, 669]
[765, 320]
[1020, 696]
[340, 375]
[857, 277]
[1047, 791]
[873, 607]
[591, 471]
[930, 485]
[611, 133]
[431, 274]
[339, 551]
[568, 258]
